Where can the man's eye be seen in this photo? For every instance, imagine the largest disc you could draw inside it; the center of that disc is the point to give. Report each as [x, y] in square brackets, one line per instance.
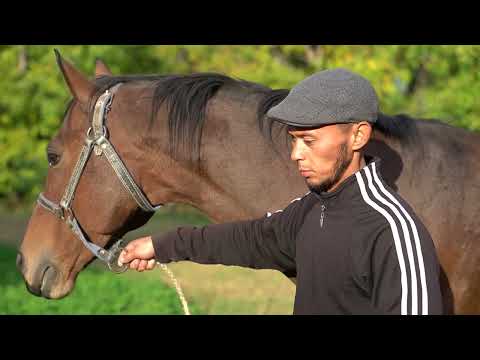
[308, 141]
[53, 159]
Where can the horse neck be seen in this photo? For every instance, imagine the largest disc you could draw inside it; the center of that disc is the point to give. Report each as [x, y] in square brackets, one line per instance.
[240, 175]
[244, 176]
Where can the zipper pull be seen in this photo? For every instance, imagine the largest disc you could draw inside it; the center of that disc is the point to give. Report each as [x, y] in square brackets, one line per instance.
[322, 215]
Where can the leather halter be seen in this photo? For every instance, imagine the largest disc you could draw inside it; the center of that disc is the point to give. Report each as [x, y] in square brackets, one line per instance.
[97, 140]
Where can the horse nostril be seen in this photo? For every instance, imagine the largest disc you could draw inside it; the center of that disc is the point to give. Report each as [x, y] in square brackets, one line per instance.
[19, 262]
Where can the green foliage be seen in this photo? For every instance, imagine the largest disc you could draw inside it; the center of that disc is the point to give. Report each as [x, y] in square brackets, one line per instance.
[420, 80]
[96, 292]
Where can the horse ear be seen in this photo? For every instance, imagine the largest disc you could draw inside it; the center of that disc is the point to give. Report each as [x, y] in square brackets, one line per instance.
[80, 87]
[101, 69]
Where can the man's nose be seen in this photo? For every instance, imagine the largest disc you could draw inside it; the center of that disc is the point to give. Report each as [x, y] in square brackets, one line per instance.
[297, 153]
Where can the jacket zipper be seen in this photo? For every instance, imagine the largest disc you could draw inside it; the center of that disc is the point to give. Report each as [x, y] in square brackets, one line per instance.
[322, 215]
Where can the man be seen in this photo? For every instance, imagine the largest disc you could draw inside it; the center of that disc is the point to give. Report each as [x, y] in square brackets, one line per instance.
[354, 245]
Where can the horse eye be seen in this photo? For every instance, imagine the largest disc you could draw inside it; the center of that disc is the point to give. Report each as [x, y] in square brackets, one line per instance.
[53, 159]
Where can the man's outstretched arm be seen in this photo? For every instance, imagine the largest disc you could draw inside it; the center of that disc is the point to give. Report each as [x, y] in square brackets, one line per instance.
[265, 243]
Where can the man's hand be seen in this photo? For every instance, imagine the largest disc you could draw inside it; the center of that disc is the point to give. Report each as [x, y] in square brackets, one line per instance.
[139, 253]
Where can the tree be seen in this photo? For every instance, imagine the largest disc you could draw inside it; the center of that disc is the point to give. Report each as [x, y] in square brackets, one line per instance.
[423, 81]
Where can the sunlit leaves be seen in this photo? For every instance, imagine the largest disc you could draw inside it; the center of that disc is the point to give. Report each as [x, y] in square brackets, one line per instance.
[428, 81]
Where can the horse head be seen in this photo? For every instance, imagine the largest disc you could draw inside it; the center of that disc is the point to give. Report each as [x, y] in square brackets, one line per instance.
[84, 188]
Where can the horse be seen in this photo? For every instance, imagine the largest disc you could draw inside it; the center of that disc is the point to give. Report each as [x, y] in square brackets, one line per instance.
[204, 139]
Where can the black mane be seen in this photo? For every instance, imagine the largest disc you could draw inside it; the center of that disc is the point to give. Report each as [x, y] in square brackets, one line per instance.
[401, 127]
[187, 96]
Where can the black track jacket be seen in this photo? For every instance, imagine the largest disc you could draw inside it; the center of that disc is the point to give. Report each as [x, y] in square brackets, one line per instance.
[357, 250]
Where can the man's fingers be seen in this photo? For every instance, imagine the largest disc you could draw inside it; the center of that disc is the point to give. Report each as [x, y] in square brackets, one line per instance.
[151, 264]
[122, 258]
[142, 265]
[132, 254]
[126, 256]
[128, 252]
[134, 264]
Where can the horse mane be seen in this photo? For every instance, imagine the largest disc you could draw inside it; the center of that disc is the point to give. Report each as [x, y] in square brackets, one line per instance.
[401, 127]
[187, 97]
[269, 100]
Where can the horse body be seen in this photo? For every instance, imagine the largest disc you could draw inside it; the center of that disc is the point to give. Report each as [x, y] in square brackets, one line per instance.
[239, 174]
[439, 177]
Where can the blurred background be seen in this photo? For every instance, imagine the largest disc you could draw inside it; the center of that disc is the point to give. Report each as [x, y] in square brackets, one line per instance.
[424, 81]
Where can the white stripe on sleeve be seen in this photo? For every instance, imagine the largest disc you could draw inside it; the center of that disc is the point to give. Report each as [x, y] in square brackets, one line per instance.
[396, 238]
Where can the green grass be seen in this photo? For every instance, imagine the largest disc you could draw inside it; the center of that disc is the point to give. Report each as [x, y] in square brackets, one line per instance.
[225, 290]
[96, 292]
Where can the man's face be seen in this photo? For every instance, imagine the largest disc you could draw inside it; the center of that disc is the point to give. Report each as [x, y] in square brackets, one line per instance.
[322, 154]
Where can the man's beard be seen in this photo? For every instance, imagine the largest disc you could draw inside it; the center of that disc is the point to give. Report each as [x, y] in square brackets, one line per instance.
[342, 163]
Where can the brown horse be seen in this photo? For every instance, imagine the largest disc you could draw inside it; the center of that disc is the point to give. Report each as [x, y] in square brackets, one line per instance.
[204, 140]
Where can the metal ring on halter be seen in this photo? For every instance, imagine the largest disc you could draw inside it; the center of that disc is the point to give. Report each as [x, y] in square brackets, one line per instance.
[89, 131]
[114, 253]
[113, 266]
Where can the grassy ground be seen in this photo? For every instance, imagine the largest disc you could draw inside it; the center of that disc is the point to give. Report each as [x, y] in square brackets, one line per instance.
[210, 289]
[97, 292]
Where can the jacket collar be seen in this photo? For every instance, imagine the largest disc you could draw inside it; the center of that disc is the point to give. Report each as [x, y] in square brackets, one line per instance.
[348, 182]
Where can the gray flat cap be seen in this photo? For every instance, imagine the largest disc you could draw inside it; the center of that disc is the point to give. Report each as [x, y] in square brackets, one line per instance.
[328, 97]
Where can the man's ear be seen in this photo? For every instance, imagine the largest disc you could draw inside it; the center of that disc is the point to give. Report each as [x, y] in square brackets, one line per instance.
[361, 135]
